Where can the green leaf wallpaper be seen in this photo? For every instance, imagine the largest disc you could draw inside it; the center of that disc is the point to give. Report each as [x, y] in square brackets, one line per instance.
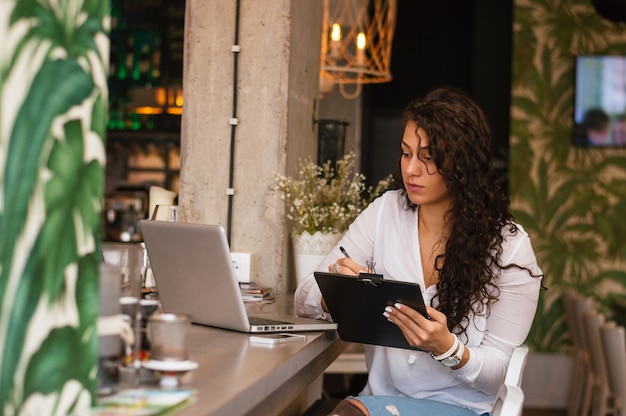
[571, 200]
[53, 95]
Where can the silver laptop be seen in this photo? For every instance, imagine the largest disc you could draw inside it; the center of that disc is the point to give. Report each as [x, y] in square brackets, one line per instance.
[195, 275]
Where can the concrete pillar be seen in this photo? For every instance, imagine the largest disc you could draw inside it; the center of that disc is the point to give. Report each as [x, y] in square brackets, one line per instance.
[277, 84]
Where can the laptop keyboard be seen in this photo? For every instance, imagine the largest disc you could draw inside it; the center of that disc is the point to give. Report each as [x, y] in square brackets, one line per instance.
[269, 324]
[255, 320]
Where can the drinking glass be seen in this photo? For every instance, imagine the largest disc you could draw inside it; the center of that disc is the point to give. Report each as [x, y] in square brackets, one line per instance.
[130, 263]
[162, 212]
[110, 355]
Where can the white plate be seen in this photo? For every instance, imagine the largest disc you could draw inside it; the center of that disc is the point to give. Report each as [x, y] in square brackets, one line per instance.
[172, 366]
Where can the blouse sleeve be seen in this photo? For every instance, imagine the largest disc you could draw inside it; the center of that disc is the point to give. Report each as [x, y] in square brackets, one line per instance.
[307, 300]
[510, 318]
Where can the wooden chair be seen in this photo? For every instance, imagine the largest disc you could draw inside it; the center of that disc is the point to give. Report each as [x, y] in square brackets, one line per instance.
[510, 397]
[614, 344]
[581, 384]
[603, 400]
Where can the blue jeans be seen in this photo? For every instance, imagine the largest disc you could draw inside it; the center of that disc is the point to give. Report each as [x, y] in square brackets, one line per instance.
[408, 406]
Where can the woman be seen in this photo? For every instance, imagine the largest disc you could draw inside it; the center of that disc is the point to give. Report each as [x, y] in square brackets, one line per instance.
[446, 228]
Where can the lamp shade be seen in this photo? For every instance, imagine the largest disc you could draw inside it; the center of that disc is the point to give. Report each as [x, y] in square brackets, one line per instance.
[356, 43]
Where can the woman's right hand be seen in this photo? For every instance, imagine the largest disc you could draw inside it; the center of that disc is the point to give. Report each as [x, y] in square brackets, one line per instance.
[345, 265]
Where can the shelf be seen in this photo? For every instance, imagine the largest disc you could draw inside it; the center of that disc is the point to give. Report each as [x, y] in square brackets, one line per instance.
[158, 170]
[143, 137]
[147, 40]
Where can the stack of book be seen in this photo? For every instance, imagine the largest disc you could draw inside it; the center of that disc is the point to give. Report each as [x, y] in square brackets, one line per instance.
[251, 292]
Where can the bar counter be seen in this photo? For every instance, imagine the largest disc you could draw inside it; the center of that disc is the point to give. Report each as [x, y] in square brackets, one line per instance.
[237, 377]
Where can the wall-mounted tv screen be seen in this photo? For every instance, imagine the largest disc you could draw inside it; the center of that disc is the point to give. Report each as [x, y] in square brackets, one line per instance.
[600, 101]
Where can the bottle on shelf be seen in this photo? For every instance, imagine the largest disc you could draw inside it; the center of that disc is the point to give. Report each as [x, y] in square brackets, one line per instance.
[136, 69]
[130, 56]
[155, 62]
[144, 63]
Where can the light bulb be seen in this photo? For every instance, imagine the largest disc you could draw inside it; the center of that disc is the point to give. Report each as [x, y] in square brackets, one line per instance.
[335, 34]
[361, 41]
[360, 48]
[335, 41]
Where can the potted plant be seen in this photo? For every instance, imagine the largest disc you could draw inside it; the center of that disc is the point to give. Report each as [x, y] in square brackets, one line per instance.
[322, 201]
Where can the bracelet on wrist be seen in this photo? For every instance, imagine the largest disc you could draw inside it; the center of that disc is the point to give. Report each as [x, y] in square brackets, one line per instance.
[452, 350]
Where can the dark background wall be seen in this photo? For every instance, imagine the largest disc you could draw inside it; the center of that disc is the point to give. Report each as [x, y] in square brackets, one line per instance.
[462, 43]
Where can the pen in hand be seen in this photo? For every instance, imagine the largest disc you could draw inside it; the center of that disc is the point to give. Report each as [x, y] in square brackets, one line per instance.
[370, 263]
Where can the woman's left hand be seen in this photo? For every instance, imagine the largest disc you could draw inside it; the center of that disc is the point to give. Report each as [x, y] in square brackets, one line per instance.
[427, 334]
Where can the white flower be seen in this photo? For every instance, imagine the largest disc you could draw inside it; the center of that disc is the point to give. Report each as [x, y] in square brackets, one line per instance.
[324, 199]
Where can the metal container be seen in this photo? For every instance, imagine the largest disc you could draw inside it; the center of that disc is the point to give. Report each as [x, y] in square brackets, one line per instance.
[122, 212]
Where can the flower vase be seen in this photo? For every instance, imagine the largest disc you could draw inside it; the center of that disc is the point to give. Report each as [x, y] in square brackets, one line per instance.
[309, 251]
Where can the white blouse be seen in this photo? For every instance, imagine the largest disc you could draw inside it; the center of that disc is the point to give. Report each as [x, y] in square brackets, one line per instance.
[387, 232]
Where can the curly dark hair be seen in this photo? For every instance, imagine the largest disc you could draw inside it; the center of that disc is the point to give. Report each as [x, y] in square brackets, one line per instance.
[460, 145]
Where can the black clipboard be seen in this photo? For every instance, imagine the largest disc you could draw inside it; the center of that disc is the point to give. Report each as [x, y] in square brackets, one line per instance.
[357, 303]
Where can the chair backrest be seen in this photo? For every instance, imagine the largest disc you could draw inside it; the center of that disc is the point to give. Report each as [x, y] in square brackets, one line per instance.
[510, 397]
[515, 372]
[580, 388]
[603, 401]
[614, 343]
[593, 321]
[575, 305]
